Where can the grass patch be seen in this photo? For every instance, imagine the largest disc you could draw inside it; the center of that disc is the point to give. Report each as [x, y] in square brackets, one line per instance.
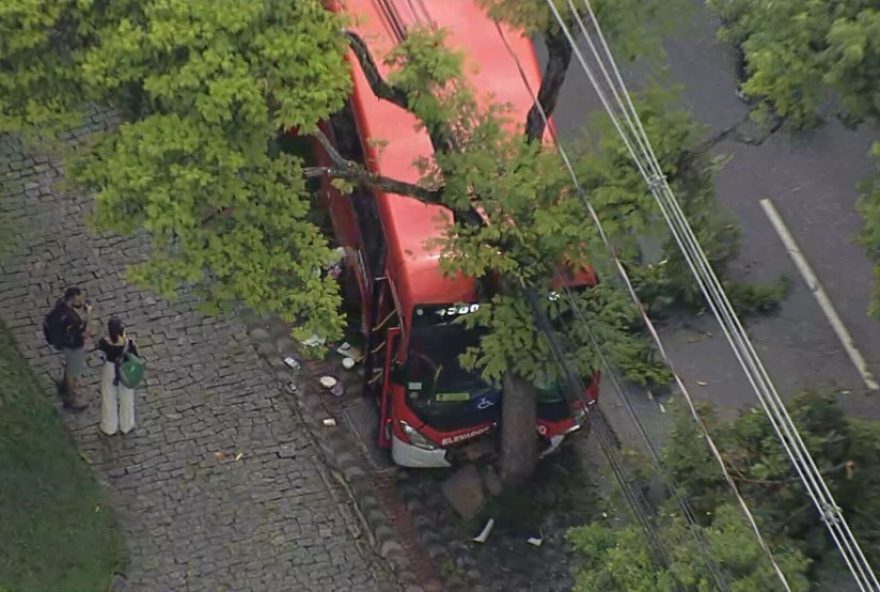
[56, 534]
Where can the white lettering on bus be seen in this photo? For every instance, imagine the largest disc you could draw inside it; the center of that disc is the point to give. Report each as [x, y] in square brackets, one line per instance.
[458, 310]
[465, 436]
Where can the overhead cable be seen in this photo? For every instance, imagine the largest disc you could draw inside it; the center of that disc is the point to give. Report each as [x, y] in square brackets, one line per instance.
[637, 143]
[581, 192]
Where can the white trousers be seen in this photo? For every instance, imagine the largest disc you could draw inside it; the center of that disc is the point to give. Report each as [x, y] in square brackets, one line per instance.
[117, 403]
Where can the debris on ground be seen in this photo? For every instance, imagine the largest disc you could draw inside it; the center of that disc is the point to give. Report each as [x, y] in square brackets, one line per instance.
[484, 534]
[464, 490]
[332, 384]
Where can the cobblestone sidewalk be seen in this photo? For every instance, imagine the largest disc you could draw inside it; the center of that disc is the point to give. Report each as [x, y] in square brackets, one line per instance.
[218, 488]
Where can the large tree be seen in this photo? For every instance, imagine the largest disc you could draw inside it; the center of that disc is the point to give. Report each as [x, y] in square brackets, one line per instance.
[617, 558]
[847, 452]
[805, 60]
[204, 88]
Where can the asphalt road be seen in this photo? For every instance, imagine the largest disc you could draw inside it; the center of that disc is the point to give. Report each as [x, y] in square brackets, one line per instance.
[811, 179]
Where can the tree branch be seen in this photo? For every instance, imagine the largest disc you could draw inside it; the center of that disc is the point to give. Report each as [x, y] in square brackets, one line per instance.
[379, 85]
[559, 58]
[362, 176]
[351, 171]
[440, 138]
[848, 466]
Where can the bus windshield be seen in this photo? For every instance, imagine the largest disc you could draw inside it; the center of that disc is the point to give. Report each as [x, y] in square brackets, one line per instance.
[433, 367]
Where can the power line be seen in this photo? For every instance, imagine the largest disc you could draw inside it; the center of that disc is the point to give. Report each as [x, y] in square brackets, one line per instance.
[638, 505]
[772, 403]
[719, 577]
[649, 168]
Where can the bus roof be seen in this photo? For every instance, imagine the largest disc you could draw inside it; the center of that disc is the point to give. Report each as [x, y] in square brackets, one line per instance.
[396, 140]
[394, 143]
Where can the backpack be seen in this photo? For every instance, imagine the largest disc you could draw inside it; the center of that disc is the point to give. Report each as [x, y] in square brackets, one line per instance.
[55, 326]
[130, 369]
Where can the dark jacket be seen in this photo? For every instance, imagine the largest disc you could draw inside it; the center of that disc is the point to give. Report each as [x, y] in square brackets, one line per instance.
[74, 327]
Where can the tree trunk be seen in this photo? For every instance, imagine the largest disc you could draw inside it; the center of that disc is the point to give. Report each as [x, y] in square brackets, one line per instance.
[559, 57]
[519, 442]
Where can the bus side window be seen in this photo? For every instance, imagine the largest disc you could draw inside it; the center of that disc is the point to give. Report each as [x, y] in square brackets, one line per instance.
[363, 202]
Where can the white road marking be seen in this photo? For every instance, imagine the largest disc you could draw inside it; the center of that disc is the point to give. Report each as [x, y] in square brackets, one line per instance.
[821, 296]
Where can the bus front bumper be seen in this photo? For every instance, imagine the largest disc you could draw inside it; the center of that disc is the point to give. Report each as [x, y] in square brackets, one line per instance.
[407, 455]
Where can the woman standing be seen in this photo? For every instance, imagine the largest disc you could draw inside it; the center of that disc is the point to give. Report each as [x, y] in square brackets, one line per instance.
[117, 400]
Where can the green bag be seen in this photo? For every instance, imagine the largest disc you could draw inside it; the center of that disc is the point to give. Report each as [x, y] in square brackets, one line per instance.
[130, 370]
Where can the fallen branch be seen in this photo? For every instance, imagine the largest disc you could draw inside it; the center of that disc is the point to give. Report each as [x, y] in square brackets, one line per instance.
[361, 176]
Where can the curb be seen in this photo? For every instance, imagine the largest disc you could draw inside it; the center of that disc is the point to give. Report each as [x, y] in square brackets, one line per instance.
[338, 450]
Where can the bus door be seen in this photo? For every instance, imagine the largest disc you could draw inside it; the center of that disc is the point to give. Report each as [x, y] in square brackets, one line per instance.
[391, 345]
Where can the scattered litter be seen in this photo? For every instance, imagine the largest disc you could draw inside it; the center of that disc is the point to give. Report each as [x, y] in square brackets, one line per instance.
[535, 541]
[484, 534]
[328, 382]
[702, 383]
[348, 363]
[314, 341]
[219, 455]
[291, 387]
[238, 456]
[343, 348]
[338, 390]
[293, 363]
[97, 509]
[329, 422]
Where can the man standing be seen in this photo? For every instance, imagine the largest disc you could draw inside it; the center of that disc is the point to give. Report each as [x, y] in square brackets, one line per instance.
[66, 329]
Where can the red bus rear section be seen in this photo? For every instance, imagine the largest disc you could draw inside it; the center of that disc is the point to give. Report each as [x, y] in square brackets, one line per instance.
[429, 405]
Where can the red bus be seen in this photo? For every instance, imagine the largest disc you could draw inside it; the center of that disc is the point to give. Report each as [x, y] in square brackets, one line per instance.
[429, 406]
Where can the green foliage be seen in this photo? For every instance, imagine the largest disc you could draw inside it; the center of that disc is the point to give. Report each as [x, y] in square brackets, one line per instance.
[796, 52]
[427, 71]
[535, 225]
[799, 55]
[608, 320]
[846, 452]
[37, 84]
[869, 207]
[630, 214]
[633, 27]
[204, 87]
[619, 559]
[537, 222]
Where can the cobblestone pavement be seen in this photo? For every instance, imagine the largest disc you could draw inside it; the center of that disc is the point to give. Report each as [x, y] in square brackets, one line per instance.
[219, 488]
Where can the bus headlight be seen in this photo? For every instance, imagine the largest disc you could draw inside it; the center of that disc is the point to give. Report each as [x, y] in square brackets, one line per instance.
[416, 438]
